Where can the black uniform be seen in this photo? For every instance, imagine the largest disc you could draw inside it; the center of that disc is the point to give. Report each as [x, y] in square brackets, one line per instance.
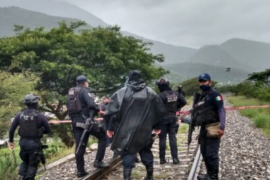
[103, 108]
[211, 106]
[87, 105]
[173, 102]
[32, 125]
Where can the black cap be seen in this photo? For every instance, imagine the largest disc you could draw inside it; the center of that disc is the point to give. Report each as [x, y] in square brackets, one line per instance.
[81, 79]
[205, 77]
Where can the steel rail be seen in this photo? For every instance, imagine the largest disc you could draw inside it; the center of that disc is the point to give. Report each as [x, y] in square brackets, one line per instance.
[195, 168]
[100, 174]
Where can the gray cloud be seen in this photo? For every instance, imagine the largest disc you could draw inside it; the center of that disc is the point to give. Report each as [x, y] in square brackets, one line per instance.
[192, 23]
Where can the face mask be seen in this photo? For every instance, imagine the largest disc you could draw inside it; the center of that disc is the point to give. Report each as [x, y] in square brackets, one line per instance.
[205, 87]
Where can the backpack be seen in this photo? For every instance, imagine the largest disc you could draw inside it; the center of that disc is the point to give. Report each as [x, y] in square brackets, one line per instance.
[74, 104]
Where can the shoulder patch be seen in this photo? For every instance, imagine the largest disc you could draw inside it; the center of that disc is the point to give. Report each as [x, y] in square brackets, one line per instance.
[218, 98]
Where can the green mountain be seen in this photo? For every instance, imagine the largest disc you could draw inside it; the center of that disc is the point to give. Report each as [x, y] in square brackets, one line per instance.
[191, 70]
[253, 53]
[214, 55]
[55, 8]
[235, 53]
[172, 54]
[11, 16]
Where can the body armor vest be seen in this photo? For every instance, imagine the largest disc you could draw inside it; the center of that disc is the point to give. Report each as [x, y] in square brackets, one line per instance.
[205, 114]
[28, 126]
[171, 104]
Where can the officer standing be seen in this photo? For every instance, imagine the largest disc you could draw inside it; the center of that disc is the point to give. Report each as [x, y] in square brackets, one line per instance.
[102, 107]
[32, 127]
[173, 102]
[212, 111]
[134, 111]
[86, 105]
[181, 91]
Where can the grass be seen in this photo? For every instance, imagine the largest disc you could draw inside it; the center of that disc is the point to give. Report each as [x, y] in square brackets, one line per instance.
[7, 163]
[259, 116]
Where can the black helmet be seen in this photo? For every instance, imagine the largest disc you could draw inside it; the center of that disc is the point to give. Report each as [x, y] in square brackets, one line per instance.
[163, 81]
[180, 87]
[31, 99]
[81, 79]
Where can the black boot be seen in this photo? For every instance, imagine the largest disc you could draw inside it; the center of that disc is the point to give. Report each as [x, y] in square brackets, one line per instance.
[162, 161]
[127, 174]
[202, 177]
[81, 174]
[115, 154]
[100, 164]
[213, 174]
[175, 161]
[149, 171]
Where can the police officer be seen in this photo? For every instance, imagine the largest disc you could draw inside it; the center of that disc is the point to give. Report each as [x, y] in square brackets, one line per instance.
[87, 104]
[173, 102]
[102, 107]
[32, 127]
[181, 91]
[211, 107]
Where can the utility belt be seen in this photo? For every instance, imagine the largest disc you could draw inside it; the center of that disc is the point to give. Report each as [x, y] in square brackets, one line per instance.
[31, 138]
[98, 126]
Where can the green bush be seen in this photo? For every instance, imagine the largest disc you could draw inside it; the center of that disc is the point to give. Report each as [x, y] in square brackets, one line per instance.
[250, 112]
[262, 121]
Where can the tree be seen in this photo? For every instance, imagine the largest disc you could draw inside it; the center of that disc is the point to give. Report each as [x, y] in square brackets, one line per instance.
[263, 77]
[12, 91]
[58, 56]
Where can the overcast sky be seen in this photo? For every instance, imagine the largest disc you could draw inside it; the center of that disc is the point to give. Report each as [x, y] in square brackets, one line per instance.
[191, 23]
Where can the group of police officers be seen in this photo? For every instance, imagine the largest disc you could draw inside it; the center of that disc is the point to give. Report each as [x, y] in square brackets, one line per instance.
[134, 115]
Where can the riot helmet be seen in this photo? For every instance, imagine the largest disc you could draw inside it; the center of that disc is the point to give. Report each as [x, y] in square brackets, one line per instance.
[31, 99]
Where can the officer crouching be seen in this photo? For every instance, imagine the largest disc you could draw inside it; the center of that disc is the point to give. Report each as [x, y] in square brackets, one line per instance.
[32, 127]
[80, 106]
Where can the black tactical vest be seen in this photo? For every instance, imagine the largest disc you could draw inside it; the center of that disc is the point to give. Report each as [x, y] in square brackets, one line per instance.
[171, 104]
[205, 114]
[74, 104]
[28, 126]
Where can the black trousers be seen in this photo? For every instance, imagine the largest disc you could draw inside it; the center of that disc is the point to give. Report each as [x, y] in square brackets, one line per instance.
[168, 127]
[102, 143]
[128, 159]
[30, 160]
[209, 149]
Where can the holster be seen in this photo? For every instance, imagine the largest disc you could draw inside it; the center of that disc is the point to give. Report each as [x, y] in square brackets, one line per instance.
[80, 124]
[212, 129]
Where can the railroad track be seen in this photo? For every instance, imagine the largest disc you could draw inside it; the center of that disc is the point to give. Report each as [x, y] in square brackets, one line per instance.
[187, 169]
